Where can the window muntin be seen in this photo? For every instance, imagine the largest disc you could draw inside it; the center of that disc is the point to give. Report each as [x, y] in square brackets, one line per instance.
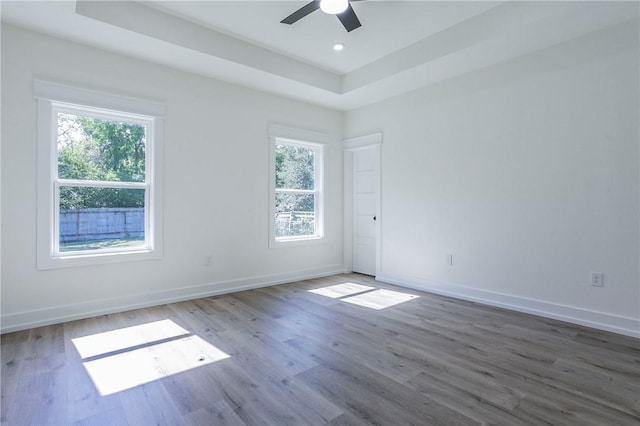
[297, 190]
[101, 180]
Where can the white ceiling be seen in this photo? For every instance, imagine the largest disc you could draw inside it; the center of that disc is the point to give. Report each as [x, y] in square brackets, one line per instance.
[387, 26]
[401, 46]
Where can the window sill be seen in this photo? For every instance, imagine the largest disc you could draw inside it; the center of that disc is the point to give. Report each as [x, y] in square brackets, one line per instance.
[296, 242]
[71, 261]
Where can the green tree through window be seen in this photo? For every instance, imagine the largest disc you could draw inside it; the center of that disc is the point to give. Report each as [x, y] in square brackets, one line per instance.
[100, 150]
[295, 190]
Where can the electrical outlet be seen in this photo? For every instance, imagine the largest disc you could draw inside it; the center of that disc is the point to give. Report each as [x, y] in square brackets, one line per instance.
[449, 259]
[597, 279]
[208, 261]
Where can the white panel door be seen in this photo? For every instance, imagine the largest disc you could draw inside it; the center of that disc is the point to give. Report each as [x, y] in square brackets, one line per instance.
[365, 200]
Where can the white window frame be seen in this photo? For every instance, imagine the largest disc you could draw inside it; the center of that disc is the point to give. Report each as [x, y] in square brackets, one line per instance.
[54, 98]
[311, 140]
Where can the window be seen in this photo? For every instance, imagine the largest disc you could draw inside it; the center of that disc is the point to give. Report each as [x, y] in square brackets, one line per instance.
[296, 186]
[98, 196]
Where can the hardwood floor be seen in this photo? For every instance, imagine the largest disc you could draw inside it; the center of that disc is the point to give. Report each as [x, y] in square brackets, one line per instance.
[283, 355]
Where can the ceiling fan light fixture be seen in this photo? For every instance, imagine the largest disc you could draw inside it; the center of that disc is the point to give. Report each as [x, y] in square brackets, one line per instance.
[333, 7]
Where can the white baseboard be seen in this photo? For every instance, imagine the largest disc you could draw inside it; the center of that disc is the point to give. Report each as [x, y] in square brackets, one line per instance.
[58, 314]
[598, 320]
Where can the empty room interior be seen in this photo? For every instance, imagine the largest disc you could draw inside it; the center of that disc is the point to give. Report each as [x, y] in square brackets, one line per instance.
[335, 212]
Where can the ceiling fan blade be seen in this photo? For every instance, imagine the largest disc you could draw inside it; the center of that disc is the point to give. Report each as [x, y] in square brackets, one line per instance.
[349, 19]
[302, 12]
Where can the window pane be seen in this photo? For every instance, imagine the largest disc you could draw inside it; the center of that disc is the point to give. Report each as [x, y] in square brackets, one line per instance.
[101, 218]
[96, 149]
[295, 215]
[294, 167]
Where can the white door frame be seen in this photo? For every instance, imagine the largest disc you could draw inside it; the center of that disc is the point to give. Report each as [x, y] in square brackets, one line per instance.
[349, 146]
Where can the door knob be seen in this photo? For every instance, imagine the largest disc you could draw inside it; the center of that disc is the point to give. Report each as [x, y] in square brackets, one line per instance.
[374, 218]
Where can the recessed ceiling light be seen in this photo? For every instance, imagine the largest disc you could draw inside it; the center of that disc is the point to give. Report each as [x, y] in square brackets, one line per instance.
[338, 47]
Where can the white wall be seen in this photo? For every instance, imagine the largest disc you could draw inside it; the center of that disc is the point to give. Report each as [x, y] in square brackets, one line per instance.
[527, 172]
[215, 196]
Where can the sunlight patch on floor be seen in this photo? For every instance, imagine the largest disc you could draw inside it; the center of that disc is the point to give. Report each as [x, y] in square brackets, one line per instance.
[362, 295]
[111, 341]
[341, 290]
[379, 299]
[144, 354]
[133, 368]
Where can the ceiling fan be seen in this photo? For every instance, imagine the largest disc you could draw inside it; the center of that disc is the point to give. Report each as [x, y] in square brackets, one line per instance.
[341, 8]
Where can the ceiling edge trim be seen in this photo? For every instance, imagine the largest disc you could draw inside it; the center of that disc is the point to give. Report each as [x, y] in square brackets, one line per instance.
[147, 21]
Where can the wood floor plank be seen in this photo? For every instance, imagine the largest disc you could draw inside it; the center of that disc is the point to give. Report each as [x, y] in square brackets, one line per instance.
[467, 401]
[571, 412]
[292, 355]
[150, 404]
[113, 416]
[263, 362]
[348, 419]
[190, 392]
[252, 399]
[377, 396]
[352, 342]
[217, 413]
[41, 396]
[13, 347]
[569, 376]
